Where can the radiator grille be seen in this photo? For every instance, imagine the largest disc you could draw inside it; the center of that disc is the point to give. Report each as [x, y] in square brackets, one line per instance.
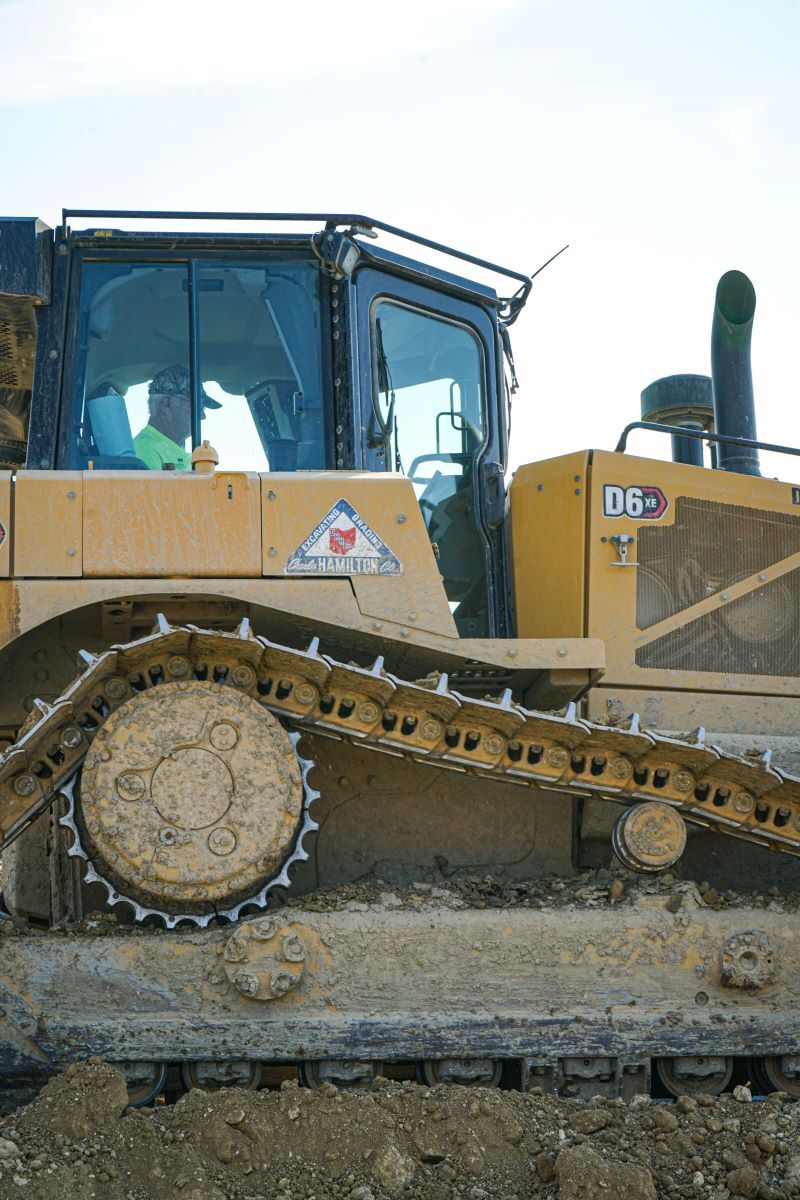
[709, 548]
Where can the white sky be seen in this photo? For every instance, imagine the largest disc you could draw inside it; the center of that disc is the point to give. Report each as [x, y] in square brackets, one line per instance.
[659, 139]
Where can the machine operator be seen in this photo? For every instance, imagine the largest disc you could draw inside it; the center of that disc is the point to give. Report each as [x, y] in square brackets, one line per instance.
[163, 439]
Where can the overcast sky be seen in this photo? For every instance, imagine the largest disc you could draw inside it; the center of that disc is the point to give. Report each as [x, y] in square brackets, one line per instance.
[659, 139]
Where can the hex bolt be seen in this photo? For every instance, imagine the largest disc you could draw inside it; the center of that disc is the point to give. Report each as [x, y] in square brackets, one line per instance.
[130, 786]
[243, 675]
[293, 949]
[116, 687]
[264, 929]
[621, 768]
[246, 983]
[305, 693]
[281, 982]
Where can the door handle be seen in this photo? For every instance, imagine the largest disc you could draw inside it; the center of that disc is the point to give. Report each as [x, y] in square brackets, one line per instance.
[493, 488]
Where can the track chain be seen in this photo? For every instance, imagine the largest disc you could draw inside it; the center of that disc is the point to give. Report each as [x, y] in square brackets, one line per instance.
[427, 722]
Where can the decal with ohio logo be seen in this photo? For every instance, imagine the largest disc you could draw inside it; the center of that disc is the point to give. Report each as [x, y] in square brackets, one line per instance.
[343, 544]
[641, 502]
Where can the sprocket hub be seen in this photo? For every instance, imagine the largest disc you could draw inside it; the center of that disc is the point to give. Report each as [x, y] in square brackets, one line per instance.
[190, 798]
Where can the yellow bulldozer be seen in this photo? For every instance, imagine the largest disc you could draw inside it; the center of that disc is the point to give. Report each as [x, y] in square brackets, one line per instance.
[286, 670]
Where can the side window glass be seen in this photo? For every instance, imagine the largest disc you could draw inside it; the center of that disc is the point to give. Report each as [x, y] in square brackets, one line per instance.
[133, 342]
[429, 412]
[260, 360]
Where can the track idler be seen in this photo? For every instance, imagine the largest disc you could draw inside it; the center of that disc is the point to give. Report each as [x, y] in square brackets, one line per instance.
[649, 837]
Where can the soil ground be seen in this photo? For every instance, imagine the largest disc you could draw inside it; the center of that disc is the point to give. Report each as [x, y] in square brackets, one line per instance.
[78, 1140]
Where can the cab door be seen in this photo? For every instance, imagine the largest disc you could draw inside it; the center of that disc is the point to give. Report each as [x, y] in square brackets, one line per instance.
[428, 409]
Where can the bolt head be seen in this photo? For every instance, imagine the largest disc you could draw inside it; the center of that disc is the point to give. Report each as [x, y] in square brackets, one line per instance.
[245, 983]
[305, 693]
[281, 982]
[25, 785]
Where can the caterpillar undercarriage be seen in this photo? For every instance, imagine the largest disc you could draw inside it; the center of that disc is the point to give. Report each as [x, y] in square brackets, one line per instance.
[329, 675]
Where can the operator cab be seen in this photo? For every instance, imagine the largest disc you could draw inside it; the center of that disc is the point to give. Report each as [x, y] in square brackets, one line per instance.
[287, 353]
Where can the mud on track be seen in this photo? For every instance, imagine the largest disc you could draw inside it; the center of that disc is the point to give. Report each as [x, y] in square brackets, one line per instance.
[78, 1141]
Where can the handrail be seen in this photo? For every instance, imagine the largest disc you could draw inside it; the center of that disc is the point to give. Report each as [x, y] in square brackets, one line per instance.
[332, 221]
[702, 434]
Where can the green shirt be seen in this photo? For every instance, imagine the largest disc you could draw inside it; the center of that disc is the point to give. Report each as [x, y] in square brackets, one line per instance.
[155, 448]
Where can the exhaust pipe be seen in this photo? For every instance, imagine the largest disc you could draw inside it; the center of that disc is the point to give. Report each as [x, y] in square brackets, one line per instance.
[731, 374]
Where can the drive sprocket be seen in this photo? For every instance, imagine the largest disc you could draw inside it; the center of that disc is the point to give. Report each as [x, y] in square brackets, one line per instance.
[191, 797]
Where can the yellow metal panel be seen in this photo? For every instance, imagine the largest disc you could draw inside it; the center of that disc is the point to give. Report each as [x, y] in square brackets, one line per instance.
[5, 524]
[548, 529]
[295, 504]
[613, 589]
[47, 524]
[171, 523]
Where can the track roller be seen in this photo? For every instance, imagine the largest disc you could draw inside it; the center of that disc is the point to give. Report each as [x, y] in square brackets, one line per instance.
[341, 1073]
[212, 1074]
[145, 1081]
[688, 1076]
[649, 837]
[469, 1072]
[776, 1073]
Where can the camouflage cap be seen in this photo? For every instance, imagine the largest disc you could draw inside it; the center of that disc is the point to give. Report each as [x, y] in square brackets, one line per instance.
[174, 381]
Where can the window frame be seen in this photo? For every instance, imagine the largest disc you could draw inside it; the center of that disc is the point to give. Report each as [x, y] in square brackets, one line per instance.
[191, 258]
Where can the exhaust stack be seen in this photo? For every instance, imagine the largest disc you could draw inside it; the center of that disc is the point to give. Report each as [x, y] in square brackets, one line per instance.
[731, 374]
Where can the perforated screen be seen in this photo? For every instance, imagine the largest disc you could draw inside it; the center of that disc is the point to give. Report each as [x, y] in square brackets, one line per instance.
[711, 547]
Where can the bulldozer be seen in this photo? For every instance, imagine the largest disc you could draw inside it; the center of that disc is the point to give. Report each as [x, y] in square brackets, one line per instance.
[285, 664]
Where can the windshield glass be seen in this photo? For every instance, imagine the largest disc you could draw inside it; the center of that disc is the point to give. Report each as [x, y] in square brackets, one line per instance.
[259, 354]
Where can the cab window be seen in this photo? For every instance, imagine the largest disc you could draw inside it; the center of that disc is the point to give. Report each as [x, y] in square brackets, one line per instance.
[258, 346]
[429, 413]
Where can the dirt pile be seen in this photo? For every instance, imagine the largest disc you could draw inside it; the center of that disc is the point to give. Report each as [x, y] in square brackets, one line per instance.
[78, 1141]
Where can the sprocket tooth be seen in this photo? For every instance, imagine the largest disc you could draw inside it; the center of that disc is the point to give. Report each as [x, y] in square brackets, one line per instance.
[162, 625]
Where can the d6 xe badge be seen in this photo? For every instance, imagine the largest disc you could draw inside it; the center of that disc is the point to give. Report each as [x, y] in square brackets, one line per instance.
[643, 502]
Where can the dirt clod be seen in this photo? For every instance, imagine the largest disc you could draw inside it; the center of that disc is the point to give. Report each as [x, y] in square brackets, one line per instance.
[584, 1175]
